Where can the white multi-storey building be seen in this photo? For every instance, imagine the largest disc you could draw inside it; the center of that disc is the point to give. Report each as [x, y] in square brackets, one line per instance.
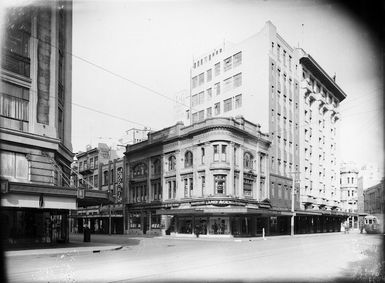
[284, 90]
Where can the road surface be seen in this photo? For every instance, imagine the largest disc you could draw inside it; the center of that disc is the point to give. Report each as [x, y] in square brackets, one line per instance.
[321, 257]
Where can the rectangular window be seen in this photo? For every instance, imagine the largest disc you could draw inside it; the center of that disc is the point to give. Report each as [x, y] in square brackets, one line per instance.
[201, 79]
[209, 75]
[96, 181]
[223, 155]
[237, 80]
[217, 89]
[217, 108]
[203, 180]
[237, 59]
[96, 162]
[209, 94]
[194, 82]
[227, 84]
[227, 63]
[238, 101]
[247, 188]
[195, 117]
[201, 97]
[202, 155]
[201, 115]
[227, 105]
[194, 100]
[216, 153]
[220, 184]
[14, 101]
[209, 113]
[217, 69]
[14, 165]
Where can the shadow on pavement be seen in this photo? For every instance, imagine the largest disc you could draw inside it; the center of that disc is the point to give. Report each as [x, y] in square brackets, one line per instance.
[370, 268]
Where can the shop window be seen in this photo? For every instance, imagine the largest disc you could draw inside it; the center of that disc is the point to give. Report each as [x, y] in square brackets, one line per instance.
[248, 161]
[185, 225]
[219, 226]
[220, 184]
[14, 165]
[171, 163]
[135, 220]
[155, 220]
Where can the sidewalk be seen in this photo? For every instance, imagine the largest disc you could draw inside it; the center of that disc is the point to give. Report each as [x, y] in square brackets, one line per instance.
[76, 245]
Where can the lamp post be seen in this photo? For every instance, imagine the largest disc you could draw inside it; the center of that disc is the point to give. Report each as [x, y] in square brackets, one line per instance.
[292, 203]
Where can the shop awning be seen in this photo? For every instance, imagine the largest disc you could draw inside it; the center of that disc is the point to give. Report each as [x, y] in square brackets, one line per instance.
[178, 211]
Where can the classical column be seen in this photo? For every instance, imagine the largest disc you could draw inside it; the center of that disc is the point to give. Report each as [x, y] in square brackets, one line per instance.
[256, 192]
[179, 185]
[209, 176]
[232, 165]
[149, 175]
[240, 181]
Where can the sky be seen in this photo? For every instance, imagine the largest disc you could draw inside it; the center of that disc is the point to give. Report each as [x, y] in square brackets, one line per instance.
[119, 45]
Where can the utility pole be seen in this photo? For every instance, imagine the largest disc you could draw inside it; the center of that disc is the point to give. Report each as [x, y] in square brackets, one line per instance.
[292, 203]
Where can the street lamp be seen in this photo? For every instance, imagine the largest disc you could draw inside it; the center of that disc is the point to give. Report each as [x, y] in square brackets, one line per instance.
[292, 203]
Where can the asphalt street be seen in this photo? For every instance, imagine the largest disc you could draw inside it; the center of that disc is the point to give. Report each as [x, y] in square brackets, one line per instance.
[321, 257]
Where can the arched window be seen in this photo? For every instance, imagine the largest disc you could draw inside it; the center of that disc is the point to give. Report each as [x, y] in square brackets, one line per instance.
[156, 167]
[171, 163]
[188, 159]
[248, 161]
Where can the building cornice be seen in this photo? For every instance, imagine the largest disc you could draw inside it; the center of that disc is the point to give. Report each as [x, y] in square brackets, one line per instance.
[321, 75]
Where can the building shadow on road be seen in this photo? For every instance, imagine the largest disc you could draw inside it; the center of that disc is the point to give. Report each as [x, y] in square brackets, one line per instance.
[369, 268]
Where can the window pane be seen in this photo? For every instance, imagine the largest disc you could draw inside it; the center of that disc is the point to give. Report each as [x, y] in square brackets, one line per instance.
[237, 80]
[21, 166]
[227, 105]
[237, 59]
[7, 162]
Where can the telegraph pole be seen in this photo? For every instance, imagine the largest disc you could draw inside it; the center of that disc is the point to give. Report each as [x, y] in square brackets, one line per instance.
[292, 202]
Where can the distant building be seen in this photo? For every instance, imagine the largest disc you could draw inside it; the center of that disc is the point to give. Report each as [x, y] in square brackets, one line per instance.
[134, 135]
[99, 169]
[369, 176]
[374, 202]
[181, 107]
[349, 191]
[211, 177]
[283, 88]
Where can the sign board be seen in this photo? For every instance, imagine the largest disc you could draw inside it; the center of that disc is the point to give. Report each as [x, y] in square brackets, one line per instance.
[81, 193]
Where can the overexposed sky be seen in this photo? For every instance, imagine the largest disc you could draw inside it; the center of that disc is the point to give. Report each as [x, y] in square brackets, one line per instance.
[152, 43]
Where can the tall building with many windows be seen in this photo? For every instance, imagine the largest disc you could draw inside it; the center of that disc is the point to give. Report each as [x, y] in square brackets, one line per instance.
[284, 89]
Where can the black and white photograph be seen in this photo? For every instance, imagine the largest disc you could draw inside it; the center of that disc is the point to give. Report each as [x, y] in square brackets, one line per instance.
[192, 141]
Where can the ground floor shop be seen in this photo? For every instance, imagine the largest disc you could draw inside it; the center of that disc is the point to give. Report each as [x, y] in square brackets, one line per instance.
[99, 219]
[227, 218]
[33, 225]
